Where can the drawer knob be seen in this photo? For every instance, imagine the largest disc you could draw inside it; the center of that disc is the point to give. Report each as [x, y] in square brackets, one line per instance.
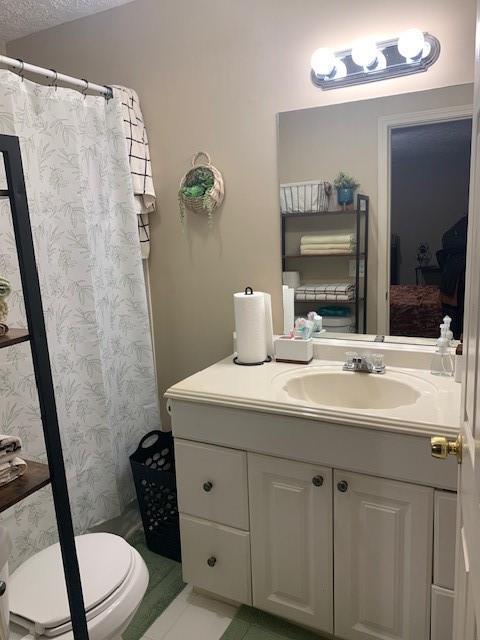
[3, 587]
[317, 481]
[212, 561]
[342, 486]
[208, 486]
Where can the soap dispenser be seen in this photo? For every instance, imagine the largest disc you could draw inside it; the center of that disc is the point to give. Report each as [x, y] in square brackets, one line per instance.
[449, 333]
[442, 361]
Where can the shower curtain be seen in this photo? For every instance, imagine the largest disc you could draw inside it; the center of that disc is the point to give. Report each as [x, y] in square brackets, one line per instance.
[88, 255]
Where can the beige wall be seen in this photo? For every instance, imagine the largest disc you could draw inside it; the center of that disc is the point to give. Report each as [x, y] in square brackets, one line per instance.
[3, 48]
[318, 143]
[212, 74]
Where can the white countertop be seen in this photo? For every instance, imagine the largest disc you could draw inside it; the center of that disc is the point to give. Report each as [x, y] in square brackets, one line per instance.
[261, 388]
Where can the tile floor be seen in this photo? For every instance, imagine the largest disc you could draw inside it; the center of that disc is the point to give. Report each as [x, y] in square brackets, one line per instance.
[192, 616]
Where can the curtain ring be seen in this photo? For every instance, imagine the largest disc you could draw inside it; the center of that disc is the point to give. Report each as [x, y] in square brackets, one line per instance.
[22, 70]
[54, 83]
[109, 94]
[87, 84]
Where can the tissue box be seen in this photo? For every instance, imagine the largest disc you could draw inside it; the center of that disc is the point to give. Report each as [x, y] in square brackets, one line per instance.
[293, 350]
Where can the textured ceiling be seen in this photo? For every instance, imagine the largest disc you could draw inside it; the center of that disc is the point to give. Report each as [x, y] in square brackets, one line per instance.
[19, 18]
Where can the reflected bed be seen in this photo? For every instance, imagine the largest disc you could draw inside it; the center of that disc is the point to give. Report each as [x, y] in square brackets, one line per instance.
[415, 310]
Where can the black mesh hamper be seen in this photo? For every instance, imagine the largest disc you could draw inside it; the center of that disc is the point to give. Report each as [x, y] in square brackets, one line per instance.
[153, 469]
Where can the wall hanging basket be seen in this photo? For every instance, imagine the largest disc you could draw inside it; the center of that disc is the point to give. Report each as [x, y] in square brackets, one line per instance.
[201, 188]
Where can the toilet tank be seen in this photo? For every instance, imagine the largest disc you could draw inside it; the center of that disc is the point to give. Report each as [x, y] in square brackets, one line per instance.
[5, 548]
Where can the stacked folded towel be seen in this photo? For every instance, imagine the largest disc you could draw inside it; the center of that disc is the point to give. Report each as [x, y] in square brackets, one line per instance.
[11, 466]
[12, 470]
[340, 291]
[343, 243]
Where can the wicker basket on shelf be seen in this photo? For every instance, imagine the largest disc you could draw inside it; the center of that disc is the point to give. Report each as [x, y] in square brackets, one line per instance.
[207, 181]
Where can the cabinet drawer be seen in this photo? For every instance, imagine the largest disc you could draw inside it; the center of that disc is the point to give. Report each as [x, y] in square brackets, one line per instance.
[212, 483]
[216, 558]
[442, 614]
[444, 539]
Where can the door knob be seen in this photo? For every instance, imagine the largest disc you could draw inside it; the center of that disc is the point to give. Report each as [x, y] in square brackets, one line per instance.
[212, 561]
[208, 486]
[317, 481]
[342, 486]
[443, 447]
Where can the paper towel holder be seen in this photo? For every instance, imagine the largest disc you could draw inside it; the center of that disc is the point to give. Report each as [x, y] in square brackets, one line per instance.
[249, 292]
[251, 364]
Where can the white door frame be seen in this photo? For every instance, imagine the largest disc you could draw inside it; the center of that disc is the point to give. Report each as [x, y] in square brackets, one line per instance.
[385, 126]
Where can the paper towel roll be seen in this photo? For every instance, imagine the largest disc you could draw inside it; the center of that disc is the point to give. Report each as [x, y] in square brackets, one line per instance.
[288, 309]
[291, 279]
[250, 326]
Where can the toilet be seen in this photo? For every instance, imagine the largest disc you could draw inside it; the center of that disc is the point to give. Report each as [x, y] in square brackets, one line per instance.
[114, 581]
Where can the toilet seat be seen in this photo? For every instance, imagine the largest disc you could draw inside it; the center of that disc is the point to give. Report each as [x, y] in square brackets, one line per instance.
[38, 597]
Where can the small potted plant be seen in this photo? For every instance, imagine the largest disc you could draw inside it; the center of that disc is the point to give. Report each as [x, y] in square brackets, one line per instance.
[345, 186]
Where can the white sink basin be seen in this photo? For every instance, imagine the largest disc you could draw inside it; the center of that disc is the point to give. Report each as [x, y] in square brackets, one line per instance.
[345, 389]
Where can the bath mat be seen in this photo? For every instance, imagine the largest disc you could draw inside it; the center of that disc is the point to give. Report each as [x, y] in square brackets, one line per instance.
[164, 585]
[252, 624]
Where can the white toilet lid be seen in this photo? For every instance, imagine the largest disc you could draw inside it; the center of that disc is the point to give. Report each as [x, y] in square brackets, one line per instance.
[37, 590]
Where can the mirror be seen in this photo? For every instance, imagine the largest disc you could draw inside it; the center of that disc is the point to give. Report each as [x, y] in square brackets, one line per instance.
[388, 257]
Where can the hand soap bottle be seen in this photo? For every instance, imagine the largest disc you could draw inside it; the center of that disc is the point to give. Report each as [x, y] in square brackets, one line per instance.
[442, 361]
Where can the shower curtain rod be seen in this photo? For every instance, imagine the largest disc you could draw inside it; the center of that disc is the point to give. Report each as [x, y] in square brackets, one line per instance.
[56, 77]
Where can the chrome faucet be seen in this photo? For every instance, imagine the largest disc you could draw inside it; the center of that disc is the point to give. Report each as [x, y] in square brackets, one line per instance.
[364, 363]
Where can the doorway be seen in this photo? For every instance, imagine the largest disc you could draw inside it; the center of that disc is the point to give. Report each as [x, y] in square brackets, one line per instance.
[429, 191]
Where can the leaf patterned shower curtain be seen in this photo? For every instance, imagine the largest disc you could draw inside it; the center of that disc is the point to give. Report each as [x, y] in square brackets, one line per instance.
[88, 256]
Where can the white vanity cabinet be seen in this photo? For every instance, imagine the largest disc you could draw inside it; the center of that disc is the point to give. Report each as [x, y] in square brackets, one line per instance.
[291, 539]
[345, 530]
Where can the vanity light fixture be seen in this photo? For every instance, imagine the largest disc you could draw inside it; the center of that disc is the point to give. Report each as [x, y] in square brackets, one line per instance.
[368, 60]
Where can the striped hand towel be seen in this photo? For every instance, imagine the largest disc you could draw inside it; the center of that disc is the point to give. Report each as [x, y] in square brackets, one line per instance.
[341, 292]
[140, 166]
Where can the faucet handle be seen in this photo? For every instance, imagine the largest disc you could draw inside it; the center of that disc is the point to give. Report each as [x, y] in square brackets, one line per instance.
[350, 358]
[378, 362]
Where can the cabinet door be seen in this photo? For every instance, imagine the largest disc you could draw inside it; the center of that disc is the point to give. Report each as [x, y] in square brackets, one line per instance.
[444, 539]
[383, 558]
[291, 540]
[442, 614]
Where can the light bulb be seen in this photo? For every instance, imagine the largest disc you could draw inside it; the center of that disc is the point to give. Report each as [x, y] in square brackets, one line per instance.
[411, 43]
[365, 52]
[340, 69]
[323, 62]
